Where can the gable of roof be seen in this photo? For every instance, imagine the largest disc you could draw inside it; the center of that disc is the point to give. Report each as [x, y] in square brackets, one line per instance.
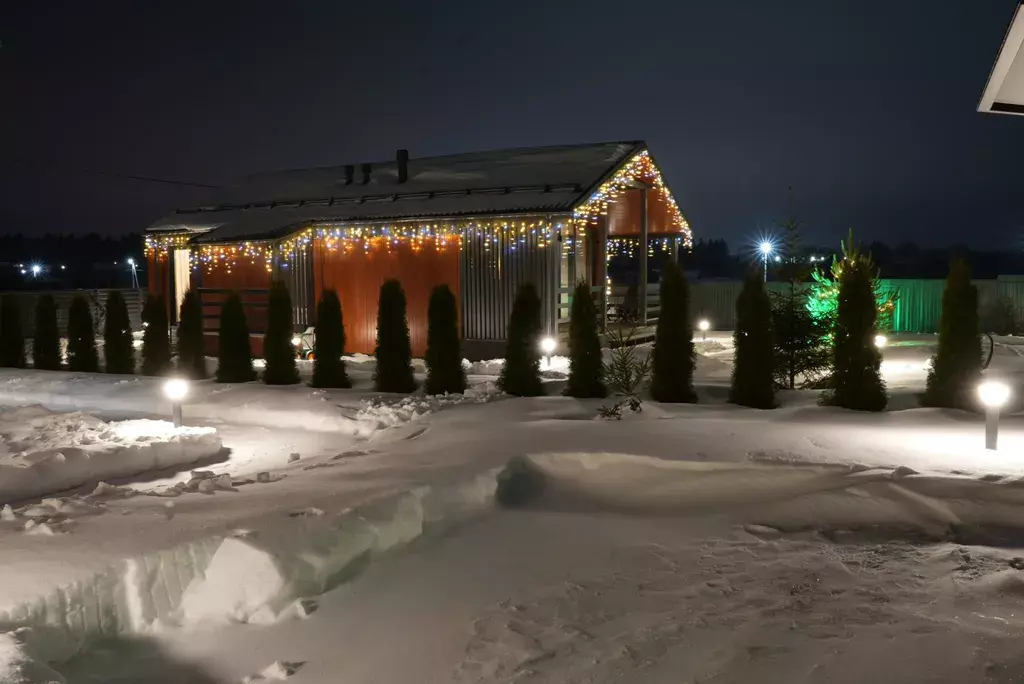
[524, 180]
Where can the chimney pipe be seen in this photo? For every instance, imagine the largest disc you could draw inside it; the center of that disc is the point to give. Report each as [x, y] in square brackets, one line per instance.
[402, 156]
[365, 167]
[350, 173]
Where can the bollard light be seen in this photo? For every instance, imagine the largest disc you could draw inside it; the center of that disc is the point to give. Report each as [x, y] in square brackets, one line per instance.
[296, 341]
[993, 394]
[881, 340]
[704, 325]
[547, 345]
[176, 389]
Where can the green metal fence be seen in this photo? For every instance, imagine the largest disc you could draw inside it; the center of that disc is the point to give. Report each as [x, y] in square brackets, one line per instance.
[918, 310]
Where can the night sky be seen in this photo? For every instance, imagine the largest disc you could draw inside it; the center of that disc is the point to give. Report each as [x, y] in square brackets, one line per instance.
[866, 108]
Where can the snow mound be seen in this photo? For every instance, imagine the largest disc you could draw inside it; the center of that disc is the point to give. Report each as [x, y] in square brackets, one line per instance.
[408, 409]
[43, 452]
[556, 368]
[18, 666]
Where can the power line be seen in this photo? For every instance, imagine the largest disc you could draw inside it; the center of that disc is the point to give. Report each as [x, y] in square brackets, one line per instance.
[54, 168]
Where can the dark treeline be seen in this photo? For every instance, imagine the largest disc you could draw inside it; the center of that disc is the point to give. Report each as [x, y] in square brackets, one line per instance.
[88, 261]
[714, 259]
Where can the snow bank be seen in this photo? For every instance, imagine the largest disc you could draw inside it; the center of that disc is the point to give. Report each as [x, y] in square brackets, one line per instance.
[254, 576]
[18, 666]
[408, 409]
[42, 452]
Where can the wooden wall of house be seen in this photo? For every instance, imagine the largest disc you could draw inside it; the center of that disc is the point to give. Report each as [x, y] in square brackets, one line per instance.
[252, 281]
[158, 277]
[358, 275]
[624, 214]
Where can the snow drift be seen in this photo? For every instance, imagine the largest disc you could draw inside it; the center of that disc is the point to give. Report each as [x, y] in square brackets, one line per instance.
[43, 452]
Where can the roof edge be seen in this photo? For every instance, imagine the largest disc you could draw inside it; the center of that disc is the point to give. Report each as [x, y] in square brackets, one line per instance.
[1009, 50]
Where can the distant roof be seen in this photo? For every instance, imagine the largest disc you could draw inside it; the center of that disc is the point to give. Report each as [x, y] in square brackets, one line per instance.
[523, 180]
[1004, 91]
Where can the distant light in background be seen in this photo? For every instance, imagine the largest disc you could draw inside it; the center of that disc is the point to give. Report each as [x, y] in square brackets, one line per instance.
[881, 340]
[36, 269]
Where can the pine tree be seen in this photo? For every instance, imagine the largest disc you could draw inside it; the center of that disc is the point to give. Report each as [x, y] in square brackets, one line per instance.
[586, 370]
[81, 338]
[444, 350]
[520, 376]
[801, 350]
[191, 341]
[46, 339]
[752, 378]
[856, 376]
[278, 349]
[234, 350]
[394, 351]
[329, 344]
[118, 353]
[673, 356]
[156, 343]
[956, 367]
[12, 339]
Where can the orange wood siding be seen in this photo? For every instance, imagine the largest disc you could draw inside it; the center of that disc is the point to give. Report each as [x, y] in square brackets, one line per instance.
[624, 214]
[158, 276]
[358, 275]
[242, 276]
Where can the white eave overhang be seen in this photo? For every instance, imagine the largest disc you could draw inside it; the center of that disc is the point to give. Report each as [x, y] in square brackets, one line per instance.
[1004, 92]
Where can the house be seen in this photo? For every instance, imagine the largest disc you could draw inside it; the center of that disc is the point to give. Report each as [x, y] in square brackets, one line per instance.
[1004, 91]
[483, 223]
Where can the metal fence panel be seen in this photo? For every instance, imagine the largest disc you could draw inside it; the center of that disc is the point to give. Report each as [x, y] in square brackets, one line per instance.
[97, 299]
[493, 266]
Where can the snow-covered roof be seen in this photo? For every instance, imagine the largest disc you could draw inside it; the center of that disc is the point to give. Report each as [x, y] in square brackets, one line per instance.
[511, 181]
[1004, 91]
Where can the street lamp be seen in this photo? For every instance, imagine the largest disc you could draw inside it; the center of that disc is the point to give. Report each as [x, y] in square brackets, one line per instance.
[703, 325]
[766, 249]
[993, 394]
[880, 340]
[547, 345]
[175, 389]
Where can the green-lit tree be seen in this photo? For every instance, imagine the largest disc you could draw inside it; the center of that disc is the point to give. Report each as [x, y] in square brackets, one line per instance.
[234, 350]
[752, 378]
[823, 301]
[278, 349]
[673, 356]
[329, 344]
[586, 368]
[46, 339]
[12, 338]
[191, 341]
[394, 350]
[156, 342]
[955, 370]
[520, 376]
[81, 338]
[856, 375]
[444, 350]
[118, 353]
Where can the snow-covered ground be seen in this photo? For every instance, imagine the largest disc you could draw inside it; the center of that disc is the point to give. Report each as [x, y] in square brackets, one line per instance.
[730, 574]
[748, 552]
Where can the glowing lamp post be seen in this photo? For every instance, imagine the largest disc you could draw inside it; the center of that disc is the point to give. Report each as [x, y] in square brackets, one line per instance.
[703, 325]
[880, 341]
[994, 395]
[175, 389]
[547, 345]
[766, 249]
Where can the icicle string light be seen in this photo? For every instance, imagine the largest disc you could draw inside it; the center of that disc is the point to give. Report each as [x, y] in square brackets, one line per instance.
[628, 246]
[160, 245]
[640, 167]
[439, 235]
[210, 257]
